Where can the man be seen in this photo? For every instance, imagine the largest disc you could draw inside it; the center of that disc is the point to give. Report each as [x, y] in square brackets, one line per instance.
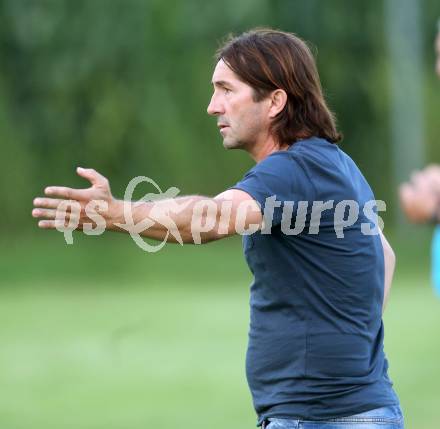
[315, 350]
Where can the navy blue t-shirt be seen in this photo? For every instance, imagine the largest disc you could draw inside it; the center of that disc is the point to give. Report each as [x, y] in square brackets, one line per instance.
[316, 335]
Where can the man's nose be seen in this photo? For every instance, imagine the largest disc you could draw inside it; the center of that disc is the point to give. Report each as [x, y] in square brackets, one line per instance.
[214, 107]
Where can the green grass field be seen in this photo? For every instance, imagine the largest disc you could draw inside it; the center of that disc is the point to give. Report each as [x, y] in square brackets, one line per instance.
[106, 336]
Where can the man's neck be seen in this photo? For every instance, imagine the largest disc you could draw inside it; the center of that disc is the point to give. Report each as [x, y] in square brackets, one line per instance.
[264, 148]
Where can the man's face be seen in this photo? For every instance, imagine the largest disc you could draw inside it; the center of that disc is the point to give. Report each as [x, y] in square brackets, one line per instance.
[241, 120]
[437, 50]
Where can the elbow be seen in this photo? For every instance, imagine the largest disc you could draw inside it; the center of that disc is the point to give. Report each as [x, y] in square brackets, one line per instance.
[390, 256]
[393, 258]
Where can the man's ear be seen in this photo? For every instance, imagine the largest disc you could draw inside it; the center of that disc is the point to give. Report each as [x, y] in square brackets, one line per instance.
[278, 100]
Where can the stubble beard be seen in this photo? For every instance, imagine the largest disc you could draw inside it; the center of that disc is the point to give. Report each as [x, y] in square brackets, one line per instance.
[230, 144]
[233, 142]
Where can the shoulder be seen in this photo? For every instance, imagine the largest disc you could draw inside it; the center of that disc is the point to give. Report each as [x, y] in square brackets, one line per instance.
[280, 162]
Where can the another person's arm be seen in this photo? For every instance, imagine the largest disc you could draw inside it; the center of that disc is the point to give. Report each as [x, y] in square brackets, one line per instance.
[420, 197]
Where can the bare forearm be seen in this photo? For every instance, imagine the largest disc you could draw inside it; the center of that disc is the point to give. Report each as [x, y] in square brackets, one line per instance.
[185, 219]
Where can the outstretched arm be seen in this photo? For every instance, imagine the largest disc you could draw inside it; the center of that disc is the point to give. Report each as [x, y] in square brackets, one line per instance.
[190, 219]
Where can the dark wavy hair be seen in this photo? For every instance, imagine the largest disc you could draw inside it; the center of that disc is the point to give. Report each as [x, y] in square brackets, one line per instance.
[267, 60]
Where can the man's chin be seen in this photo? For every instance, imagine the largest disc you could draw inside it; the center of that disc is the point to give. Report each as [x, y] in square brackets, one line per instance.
[228, 144]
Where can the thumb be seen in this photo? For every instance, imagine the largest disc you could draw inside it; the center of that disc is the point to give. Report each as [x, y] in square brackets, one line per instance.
[91, 175]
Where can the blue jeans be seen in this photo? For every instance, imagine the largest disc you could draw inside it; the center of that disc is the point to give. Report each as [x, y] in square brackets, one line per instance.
[381, 418]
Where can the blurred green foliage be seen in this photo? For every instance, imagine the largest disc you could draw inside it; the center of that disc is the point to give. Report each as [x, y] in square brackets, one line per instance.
[122, 86]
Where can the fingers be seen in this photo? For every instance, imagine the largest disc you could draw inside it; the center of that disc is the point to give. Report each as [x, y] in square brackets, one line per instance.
[67, 193]
[405, 191]
[64, 202]
[57, 219]
[46, 224]
[47, 203]
[55, 224]
[92, 176]
[46, 213]
[406, 196]
[430, 175]
[64, 192]
[419, 181]
[61, 215]
[418, 204]
[54, 209]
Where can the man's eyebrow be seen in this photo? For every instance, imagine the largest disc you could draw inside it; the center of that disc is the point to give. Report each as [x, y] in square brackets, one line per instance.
[221, 83]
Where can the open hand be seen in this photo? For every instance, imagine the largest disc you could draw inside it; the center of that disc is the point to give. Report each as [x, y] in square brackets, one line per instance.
[78, 202]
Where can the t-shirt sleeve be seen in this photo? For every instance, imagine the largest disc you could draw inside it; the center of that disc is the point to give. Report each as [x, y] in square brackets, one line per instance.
[274, 181]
